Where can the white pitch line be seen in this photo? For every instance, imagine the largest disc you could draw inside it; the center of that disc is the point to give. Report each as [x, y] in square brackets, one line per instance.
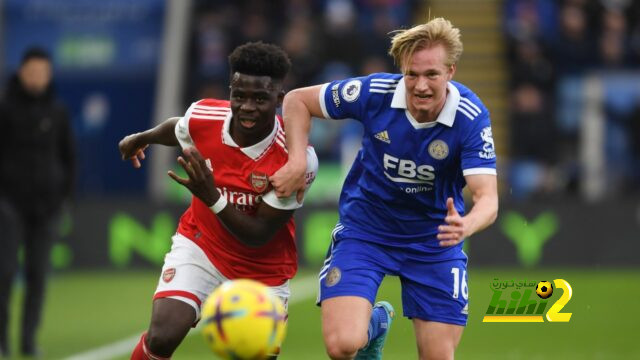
[301, 289]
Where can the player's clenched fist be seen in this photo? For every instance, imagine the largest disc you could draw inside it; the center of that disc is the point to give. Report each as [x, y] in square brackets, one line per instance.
[132, 147]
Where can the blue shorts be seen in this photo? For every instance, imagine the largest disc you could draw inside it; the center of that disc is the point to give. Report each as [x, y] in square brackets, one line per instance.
[432, 290]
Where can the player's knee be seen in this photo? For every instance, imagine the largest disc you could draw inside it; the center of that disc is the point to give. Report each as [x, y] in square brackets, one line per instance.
[162, 341]
[440, 351]
[342, 346]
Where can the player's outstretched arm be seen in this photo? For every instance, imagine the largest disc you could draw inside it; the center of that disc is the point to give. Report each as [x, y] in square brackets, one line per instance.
[298, 107]
[484, 190]
[132, 146]
[251, 230]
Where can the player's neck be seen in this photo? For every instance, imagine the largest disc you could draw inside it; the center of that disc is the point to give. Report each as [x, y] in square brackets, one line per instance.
[428, 116]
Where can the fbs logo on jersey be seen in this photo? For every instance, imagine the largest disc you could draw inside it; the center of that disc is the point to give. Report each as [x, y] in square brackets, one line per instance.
[407, 171]
[259, 181]
[383, 136]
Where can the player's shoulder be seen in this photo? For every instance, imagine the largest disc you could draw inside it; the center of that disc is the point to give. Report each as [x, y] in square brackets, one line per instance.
[382, 83]
[470, 107]
[209, 109]
[280, 139]
[379, 88]
[212, 103]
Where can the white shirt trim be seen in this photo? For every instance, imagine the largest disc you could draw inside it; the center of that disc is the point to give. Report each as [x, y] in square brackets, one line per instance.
[479, 171]
[182, 132]
[254, 151]
[321, 98]
[446, 117]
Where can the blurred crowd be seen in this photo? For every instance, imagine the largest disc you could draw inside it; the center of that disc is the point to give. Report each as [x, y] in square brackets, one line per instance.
[553, 46]
[326, 40]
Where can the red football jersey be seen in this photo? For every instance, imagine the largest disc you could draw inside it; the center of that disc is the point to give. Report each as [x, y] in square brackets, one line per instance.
[241, 175]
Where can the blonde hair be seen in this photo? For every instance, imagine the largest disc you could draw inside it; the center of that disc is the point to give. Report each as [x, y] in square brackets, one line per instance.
[405, 43]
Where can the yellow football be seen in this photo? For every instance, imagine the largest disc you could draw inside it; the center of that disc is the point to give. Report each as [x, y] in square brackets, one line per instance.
[242, 319]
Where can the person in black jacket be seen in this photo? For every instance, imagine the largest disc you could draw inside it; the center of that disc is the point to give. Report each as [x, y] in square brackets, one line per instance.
[36, 178]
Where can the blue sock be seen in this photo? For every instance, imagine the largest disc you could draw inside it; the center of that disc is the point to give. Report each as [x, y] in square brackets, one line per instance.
[377, 324]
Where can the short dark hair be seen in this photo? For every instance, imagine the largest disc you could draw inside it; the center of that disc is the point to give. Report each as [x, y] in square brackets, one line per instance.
[35, 52]
[260, 59]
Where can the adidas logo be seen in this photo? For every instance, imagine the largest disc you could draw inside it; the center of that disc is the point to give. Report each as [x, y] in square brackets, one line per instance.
[465, 310]
[383, 136]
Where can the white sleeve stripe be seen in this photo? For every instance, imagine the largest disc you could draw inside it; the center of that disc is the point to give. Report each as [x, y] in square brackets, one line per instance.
[279, 142]
[466, 113]
[206, 117]
[382, 91]
[479, 171]
[205, 107]
[323, 106]
[469, 108]
[470, 103]
[385, 80]
[383, 86]
[210, 112]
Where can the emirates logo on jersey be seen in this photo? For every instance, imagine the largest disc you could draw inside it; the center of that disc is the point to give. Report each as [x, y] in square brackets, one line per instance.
[259, 181]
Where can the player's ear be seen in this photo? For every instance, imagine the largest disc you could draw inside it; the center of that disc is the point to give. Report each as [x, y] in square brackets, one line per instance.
[280, 97]
[452, 71]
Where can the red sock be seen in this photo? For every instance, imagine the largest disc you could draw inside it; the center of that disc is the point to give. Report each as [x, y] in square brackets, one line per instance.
[138, 352]
[142, 352]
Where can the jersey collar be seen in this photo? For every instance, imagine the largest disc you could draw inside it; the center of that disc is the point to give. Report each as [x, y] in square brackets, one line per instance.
[446, 117]
[254, 151]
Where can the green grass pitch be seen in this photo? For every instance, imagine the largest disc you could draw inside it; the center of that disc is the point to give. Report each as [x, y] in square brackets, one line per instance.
[86, 310]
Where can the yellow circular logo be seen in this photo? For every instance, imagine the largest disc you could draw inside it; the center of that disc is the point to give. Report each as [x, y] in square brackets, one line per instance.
[438, 149]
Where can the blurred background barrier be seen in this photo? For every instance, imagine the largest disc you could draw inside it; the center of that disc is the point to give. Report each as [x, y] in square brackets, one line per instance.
[123, 233]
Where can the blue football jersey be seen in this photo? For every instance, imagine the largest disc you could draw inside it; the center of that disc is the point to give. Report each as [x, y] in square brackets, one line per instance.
[397, 188]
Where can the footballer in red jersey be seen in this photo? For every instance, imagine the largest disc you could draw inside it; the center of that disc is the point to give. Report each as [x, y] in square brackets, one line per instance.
[236, 227]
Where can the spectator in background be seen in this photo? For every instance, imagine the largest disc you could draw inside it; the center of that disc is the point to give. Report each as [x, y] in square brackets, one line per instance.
[36, 178]
[613, 40]
[531, 66]
[574, 48]
[533, 136]
[530, 20]
[300, 40]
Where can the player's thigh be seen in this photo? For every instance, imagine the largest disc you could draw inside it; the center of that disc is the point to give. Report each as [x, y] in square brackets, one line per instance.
[436, 340]
[353, 268]
[435, 291]
[349, 282]
[187, 275]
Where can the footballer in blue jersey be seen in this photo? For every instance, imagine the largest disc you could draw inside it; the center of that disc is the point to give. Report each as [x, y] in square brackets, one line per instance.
[401, 209]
